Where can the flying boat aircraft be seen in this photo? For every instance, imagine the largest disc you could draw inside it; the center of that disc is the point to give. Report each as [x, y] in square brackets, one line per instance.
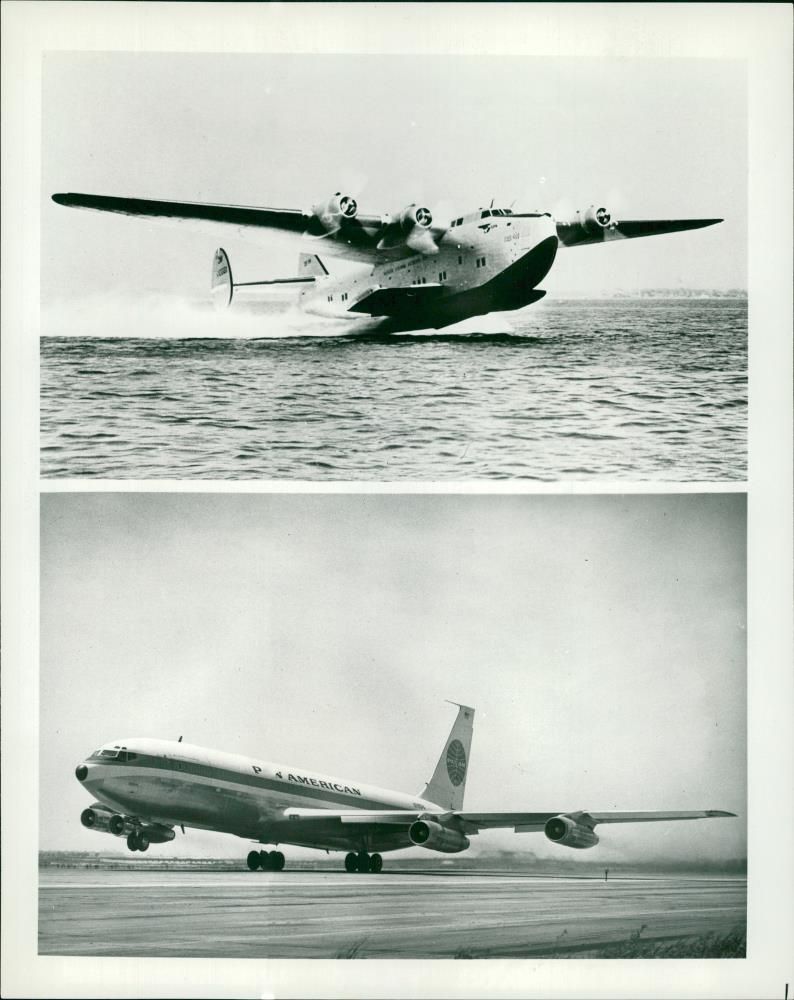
[419, 273]
[144, 788]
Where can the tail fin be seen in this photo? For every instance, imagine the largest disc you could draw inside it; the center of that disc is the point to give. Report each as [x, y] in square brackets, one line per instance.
[310, 264]
[222, 283]
[448, 783]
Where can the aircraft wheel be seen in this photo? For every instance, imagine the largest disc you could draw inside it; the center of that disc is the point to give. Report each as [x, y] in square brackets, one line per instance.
[132, 841]
[253, 860]
[376, 863]
[143, 842]
[363, 861]
[277, 861]
[265, 861]
[351, 863]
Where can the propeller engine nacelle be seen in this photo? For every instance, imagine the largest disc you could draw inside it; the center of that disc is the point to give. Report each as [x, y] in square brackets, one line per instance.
[435, 837]
[334, 213]
[414, 216]
[411, 228]
[566, 831]
[595, 219]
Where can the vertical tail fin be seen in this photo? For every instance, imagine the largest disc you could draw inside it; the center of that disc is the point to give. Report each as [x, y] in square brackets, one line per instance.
[310, 265]
[448, 783]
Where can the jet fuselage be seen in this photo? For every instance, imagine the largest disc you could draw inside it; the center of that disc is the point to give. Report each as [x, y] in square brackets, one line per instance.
[175, 783]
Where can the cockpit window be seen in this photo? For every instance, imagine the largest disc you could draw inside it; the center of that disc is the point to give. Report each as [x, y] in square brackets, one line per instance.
[108, 753]
[485, 214]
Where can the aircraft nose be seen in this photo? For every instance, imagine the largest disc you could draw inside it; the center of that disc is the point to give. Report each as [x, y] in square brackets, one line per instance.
[81, 772]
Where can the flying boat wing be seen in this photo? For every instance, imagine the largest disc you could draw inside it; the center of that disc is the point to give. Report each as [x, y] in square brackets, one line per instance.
[345, 231]
[599, 228]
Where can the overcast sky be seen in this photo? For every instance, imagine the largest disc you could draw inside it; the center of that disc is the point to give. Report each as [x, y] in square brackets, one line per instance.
[600, 638]
[649, 138]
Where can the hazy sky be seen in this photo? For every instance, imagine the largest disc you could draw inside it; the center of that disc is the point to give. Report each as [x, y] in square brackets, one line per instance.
[650, 138]
[600, 638]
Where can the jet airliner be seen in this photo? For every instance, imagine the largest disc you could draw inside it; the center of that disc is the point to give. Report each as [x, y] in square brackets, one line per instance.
[144, 788]
[419, 273]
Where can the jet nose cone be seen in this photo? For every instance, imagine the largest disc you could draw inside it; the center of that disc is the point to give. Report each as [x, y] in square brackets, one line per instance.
[81, 772]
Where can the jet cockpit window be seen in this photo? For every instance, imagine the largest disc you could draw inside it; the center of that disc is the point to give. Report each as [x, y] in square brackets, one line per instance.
[108, 753]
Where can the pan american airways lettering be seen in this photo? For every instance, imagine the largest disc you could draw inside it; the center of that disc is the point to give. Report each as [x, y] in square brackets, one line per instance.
[302, 779]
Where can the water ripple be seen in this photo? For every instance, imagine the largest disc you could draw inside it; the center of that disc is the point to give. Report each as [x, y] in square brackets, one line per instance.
[627, 390]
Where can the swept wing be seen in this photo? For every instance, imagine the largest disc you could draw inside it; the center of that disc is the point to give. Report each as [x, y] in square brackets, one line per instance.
[472, 822]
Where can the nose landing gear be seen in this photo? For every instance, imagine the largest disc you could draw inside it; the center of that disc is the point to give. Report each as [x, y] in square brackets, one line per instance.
[363, 862]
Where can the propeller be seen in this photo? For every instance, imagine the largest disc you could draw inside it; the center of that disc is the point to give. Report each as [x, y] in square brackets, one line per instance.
[421, 241]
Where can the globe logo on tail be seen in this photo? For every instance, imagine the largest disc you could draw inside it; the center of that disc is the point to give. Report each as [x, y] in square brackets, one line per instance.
[456, 762]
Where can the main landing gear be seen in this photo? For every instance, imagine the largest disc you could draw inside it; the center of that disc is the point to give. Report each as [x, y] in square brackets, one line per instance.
[363, 862]
[138, 841]
[268, 861]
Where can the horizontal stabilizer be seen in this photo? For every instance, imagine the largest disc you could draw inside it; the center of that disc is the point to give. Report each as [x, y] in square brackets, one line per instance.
[396, 301]
[223, 285]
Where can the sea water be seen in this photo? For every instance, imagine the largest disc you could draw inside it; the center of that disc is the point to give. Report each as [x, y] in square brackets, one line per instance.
[608, 389]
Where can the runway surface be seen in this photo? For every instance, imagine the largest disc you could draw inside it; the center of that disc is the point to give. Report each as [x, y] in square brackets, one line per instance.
[322, 914]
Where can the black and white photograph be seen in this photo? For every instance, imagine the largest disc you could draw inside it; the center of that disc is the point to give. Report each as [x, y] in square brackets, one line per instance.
[477, 267]
[285, 778]
[397, 451]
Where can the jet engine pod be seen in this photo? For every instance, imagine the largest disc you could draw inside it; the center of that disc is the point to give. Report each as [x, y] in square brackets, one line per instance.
[596, 218]
[334, 213]
[565, 830]
[95, 819]
[156, 833]
[435, 837]
[120, 825]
